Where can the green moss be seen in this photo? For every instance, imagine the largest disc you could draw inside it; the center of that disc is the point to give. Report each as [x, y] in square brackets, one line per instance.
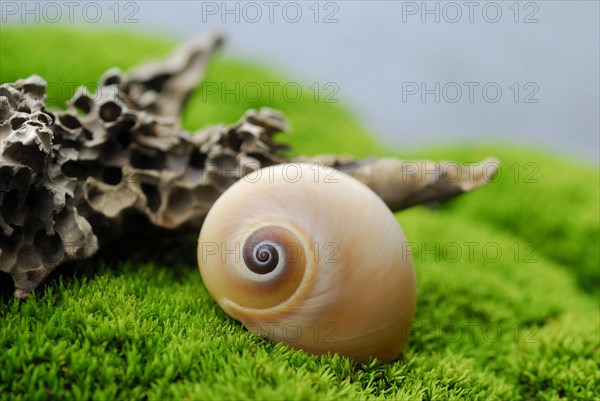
[541, 199]
[513, 325]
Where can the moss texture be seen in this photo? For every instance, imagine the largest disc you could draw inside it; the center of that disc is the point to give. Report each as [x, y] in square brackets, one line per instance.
[508, 277]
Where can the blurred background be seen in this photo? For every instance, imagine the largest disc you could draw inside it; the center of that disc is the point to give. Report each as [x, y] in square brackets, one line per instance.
[417, 73]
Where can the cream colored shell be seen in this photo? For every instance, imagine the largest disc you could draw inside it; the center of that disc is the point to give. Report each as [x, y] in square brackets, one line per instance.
[343, 282]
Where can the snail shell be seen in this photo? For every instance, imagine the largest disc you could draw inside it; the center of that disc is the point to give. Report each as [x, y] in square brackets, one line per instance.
[310, 257]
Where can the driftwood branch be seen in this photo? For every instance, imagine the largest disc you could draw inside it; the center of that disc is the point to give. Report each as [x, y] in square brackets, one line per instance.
[72, 180]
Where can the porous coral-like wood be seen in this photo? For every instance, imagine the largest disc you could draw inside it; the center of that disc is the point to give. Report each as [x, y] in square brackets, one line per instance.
[71, 180]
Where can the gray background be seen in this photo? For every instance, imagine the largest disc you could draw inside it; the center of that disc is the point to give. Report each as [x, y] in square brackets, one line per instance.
[371, 50]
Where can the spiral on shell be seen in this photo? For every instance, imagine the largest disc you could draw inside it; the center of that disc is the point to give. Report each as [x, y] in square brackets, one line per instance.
[310, 257]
